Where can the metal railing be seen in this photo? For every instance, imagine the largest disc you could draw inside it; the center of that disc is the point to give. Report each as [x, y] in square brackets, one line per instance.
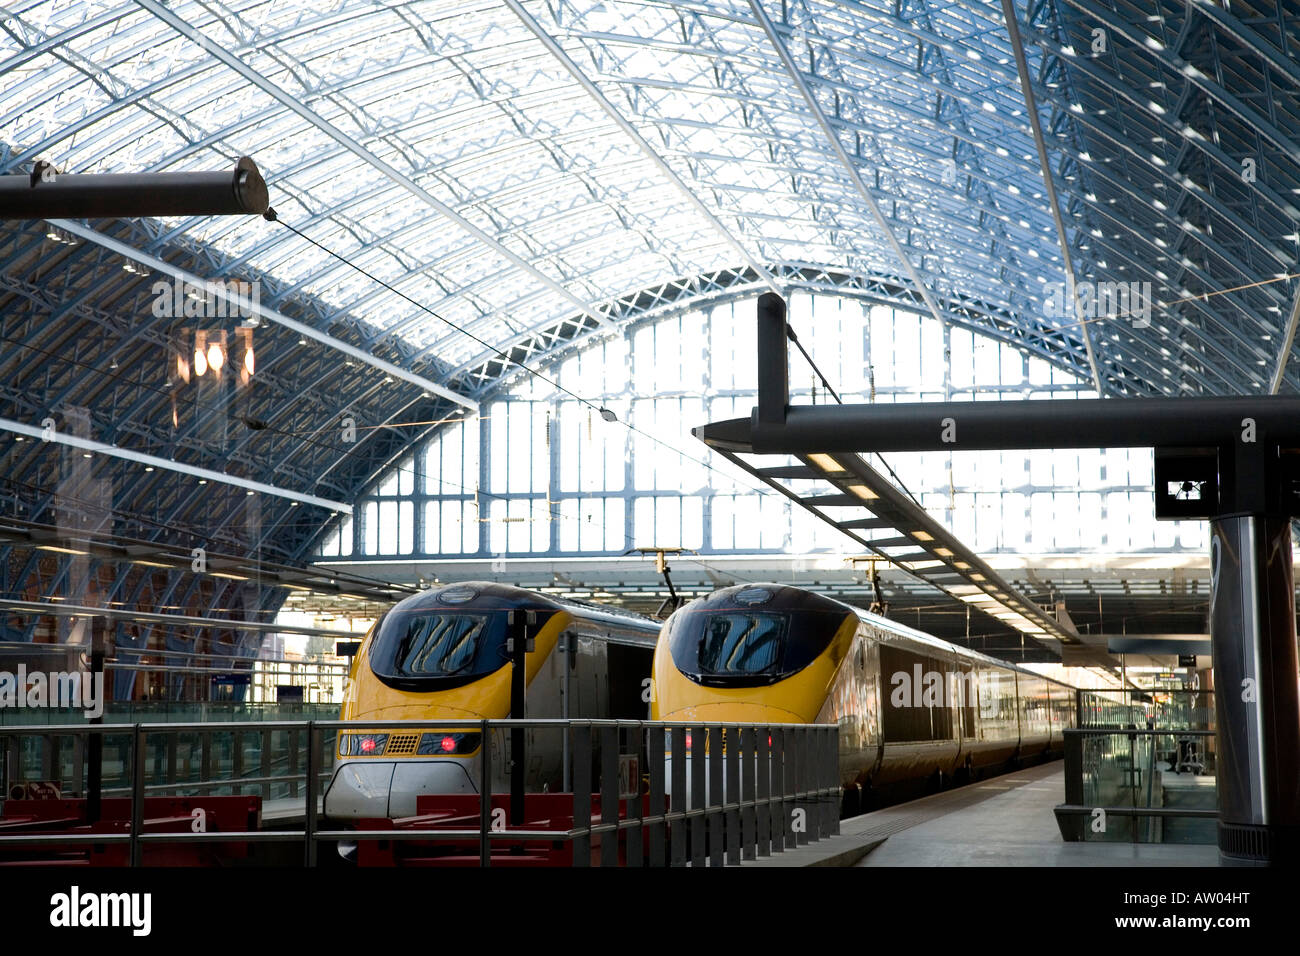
[1155, 709]
[740, 792]
[1125, 774]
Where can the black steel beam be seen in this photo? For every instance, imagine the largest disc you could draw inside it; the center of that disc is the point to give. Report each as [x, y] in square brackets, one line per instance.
[48, 194]
[991, 426]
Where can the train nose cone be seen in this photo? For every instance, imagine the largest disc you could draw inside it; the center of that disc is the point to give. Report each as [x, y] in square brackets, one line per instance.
[736, 712]
[389, 788]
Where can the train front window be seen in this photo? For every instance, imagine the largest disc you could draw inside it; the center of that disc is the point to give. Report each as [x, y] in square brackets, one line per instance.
[442, 644]
[428, 649]
[739, 648]
[741, 644]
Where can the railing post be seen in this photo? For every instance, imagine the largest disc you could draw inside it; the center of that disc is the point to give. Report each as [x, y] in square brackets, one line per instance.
[313, 771]
[679, 801]
[780, 819]
[485, 796]
[1074, 743]
[635, 835]
[698, 799]
[609, 794]
[789, 786]
[205, 753]
[292, 771]
[800, 754]
[748, 772]
[763, 814]
[658, 831]
[137, 792]
[833, 778]
[717, 796]
[78, 766]
[266, 764]
[732, 817]
[582, 794]
[236, 761]
[173, 741]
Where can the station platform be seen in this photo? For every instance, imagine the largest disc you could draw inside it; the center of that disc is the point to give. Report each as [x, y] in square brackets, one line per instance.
[1004, 821]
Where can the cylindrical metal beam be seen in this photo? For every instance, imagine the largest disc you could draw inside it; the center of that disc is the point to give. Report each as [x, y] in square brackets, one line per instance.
[1257, 701]
[988, 426]
[51, 195]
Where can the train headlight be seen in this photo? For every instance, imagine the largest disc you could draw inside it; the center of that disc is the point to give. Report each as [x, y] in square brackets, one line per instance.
[363, 745]
[448, 744]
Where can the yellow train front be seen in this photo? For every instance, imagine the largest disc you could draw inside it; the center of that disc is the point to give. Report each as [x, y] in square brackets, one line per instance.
[442, 655]
[910, 708]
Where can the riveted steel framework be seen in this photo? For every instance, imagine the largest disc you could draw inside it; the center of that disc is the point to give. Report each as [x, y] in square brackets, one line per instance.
[539, 172]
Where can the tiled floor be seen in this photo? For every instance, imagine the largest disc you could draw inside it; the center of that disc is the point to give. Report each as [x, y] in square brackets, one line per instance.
[1006, 821]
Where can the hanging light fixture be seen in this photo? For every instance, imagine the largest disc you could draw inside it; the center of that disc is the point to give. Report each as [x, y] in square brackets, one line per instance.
[249, 363]
[216, 357]
[200, 353]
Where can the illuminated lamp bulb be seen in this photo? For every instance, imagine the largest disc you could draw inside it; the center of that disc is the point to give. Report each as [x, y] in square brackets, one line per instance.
[200, 362]
[248, 360]
[182, 368]
[216, 357]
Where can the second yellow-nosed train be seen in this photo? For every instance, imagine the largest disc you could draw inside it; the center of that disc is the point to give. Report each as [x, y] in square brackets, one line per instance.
[908, 706]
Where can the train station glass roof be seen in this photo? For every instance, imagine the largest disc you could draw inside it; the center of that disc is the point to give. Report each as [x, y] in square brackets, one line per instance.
[537, 173]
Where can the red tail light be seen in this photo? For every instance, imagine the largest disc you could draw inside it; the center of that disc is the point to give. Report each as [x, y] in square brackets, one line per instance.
[448, 744]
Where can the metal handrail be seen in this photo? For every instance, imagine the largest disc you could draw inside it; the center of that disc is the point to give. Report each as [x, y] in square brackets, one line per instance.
[1075, 806]
[806, 776]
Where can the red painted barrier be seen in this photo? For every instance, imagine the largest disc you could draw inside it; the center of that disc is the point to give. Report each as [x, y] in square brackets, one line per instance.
[542, 811]
[161, 815]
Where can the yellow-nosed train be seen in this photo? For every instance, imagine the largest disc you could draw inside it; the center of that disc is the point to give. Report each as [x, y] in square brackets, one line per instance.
[909, 707]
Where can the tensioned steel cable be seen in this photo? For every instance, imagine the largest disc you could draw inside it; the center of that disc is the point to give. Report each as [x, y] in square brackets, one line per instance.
[789, 333]
[605, 413]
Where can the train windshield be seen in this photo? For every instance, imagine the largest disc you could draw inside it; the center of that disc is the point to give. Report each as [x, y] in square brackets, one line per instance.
[425, 648]
[739, 648]
[741, 644]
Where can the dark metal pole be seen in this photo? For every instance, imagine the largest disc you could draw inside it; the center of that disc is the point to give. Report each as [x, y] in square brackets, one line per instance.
[95, 745]
[773, 364]
[1252, 630]
[137, 793]
[485, 797]
[518, 709]
[309, 816]
[49, 194]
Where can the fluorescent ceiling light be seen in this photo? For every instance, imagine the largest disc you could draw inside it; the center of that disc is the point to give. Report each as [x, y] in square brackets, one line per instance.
[826, 463]
[862, 491]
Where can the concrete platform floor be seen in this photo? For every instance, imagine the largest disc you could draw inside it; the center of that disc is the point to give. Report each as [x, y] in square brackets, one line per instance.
[1005, 821]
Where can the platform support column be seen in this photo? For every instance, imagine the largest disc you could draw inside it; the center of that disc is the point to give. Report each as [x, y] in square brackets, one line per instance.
[1257, 703]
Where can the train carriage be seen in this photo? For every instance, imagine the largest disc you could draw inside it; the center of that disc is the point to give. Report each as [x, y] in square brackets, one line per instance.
[909, 706]
[442, 654]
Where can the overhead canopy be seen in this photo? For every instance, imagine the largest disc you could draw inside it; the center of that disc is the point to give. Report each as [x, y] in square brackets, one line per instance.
[536, 172]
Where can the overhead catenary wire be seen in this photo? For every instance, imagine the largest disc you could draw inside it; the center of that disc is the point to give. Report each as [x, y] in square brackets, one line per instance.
[790, 334]
[605, 413]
